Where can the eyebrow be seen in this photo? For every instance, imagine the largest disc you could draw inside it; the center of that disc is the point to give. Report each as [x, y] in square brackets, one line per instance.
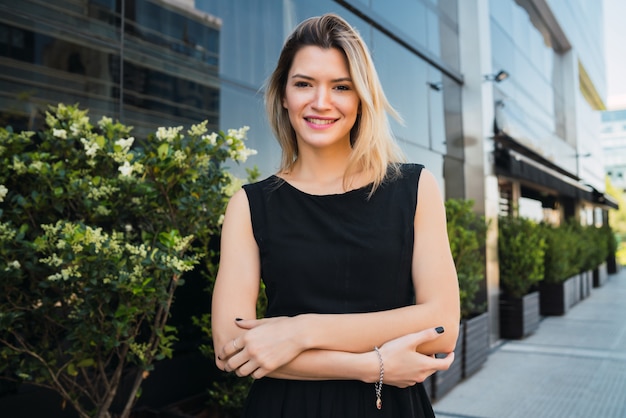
[336, 80]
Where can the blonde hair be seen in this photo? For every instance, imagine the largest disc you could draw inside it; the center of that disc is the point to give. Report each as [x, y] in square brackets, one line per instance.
[374, 149]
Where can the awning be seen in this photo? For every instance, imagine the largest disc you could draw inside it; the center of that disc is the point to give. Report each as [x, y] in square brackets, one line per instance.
[518, 166]
[515, 165]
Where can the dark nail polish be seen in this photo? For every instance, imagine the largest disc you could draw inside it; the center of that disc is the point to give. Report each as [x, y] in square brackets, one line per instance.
[439, 330]
[238, 319]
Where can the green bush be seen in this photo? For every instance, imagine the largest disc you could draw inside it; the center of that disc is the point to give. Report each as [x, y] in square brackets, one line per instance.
[562, 252]
[573, 248]
[467, 232]
[96, 233]
[521, 247]
[611, 240]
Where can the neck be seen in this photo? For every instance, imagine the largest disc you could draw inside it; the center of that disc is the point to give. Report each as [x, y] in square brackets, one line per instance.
[321, 172]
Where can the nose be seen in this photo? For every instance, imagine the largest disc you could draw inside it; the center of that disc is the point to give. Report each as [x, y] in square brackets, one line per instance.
[322, 99]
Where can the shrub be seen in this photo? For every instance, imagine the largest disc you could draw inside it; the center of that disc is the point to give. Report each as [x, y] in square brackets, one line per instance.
[562, 252]
[96, 234]
[467, 232]
[521, 247]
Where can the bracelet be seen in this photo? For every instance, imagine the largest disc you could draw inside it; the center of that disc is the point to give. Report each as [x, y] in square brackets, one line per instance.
[378, 386]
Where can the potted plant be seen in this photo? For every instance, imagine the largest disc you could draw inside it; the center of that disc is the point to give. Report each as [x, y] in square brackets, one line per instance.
[97, 232]
[467, 232]
[606, 239]
[565, 254]
[521, 247]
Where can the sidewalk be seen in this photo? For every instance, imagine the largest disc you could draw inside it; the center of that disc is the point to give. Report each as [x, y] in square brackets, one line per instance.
[572, 366]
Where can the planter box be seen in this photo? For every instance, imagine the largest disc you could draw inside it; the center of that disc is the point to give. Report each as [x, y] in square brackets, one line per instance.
[519, 317]
[575, 290]
[444, 381]
[581, 285]
[558, 298]
[588, 283]
[611, 265]
[600, 275]
[476, 346]
[428, 386]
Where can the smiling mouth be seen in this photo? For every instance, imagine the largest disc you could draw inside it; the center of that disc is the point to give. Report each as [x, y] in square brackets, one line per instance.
[320, 121]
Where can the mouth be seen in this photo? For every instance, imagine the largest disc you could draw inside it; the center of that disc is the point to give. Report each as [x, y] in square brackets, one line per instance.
[320, 122]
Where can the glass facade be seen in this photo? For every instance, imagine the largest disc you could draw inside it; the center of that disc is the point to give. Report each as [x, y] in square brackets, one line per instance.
[152, 63]
[160, 69]
[532, 98]
[614, 146]
[549, 105]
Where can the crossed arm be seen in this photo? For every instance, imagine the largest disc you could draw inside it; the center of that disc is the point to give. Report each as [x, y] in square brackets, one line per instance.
[315, 346]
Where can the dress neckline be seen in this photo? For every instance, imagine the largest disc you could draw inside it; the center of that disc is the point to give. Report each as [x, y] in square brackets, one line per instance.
[302, 192]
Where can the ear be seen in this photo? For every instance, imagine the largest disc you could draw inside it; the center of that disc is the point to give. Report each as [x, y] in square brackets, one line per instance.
[284, 103]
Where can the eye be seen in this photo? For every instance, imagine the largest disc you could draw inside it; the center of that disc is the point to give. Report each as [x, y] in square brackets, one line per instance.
[343, 87]
[301, 84]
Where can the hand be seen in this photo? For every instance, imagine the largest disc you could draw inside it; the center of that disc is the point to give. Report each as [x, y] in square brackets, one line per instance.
[266, 345]
[403, 366]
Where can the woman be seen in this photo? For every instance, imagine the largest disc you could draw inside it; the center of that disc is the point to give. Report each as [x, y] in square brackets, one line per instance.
[360, 281]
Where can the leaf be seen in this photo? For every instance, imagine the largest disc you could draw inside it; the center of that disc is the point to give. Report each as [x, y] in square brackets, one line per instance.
[71, 370]
[88, 362]
[163, 150]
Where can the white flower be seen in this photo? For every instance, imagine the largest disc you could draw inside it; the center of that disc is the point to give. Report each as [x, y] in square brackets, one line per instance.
[168, 134]
[91, 147]
[211, 139]
[126, 169]
[59, 133]
[180, 157]
[75, 129]
[240, 133]
[198, 129]
[3, 192]
[105, 121]
[13, 265]
[125, 143]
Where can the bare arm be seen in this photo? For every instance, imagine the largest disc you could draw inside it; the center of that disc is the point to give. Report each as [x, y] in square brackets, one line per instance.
[402, 364]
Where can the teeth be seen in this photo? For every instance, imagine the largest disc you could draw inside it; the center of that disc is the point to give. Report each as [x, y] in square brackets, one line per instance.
[320, 121]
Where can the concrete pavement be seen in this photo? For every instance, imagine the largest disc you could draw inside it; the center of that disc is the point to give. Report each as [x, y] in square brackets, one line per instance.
[572, 366]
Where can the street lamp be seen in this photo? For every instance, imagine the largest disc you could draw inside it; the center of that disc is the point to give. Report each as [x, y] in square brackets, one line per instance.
[497, 77]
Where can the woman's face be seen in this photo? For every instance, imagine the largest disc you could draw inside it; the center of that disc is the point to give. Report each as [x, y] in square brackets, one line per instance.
[320, 98]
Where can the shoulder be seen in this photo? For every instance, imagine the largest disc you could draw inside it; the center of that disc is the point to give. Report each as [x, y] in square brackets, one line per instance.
[429, 193]
[238, 203]
[270, 183]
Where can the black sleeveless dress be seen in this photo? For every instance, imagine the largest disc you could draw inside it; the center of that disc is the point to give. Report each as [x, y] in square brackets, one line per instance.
[332, 254]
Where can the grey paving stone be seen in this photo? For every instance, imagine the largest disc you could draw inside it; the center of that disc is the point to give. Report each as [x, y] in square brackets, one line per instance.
[572, 366]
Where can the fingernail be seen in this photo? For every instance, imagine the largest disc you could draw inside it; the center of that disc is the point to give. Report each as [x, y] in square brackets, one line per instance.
[439, 330]
[238, 319]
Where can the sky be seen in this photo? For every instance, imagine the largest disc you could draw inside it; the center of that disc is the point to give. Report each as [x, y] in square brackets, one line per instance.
[615, 52]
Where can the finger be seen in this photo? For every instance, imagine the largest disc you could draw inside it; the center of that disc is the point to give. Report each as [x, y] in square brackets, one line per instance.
[444, 363]
[248, 323]
[235, 362]
[231, 348]
[418, 338]
[247, 369]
